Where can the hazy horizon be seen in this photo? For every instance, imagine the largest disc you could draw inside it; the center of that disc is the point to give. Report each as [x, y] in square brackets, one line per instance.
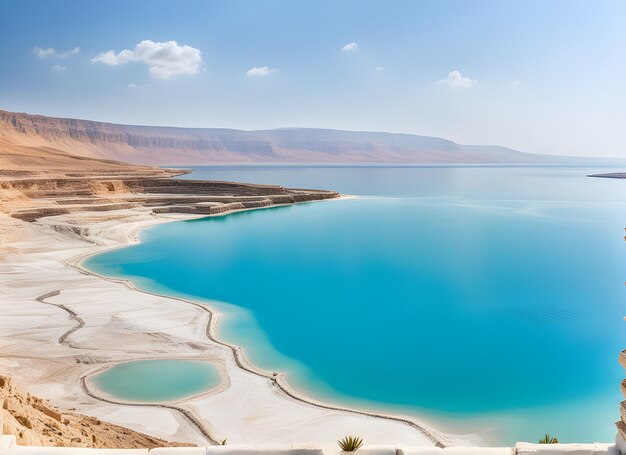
[531, 76]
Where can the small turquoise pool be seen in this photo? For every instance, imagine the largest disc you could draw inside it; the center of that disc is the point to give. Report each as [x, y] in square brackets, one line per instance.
[157, 380]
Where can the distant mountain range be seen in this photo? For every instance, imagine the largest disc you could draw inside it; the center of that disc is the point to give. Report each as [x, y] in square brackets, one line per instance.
[192, 146]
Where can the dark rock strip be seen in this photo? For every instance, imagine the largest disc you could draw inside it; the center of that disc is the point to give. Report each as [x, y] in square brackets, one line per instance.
[613, 175]
[72, 315]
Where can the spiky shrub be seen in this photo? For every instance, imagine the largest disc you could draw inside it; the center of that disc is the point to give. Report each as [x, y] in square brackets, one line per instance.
[547, 439]
[350, 443]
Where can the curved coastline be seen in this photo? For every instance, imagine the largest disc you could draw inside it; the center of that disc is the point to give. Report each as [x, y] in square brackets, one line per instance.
[278, 380]
[85, 379]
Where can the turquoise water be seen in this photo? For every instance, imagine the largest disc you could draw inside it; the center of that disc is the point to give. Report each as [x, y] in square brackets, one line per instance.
[157, 380]
[482, 298]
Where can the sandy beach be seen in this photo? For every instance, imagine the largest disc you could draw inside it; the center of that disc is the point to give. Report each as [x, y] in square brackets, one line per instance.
[61, 324]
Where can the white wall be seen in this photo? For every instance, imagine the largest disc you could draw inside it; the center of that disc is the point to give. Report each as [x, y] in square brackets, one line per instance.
[9, 447]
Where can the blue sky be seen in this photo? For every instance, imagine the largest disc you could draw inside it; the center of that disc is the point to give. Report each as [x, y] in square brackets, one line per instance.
[539, 76]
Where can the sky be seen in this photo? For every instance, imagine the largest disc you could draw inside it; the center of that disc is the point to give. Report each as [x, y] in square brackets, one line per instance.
[542, 76]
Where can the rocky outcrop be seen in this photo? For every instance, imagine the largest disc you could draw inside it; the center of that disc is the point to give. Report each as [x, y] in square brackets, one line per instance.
[31, 199]
[34, 421]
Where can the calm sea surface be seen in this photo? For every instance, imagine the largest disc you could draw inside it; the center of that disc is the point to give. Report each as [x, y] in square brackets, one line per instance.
[482, 299]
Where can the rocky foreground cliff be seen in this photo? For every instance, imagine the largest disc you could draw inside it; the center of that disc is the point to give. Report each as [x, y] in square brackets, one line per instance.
[165, 145]
[34, 421]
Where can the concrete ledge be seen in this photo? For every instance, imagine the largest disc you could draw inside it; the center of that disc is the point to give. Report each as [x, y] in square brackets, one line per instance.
[456, 451]
[366, 450]
[568, 449]
[6, 441]
[178, 451]
[251, 450]
[8, 447]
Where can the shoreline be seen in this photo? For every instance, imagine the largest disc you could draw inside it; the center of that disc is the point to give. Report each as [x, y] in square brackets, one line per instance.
[237, 351]
[120, 229]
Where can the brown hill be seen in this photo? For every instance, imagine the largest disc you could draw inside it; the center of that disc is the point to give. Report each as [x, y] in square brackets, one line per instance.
[31, 151]
[21, 159]
[34, 421]
[34, 136]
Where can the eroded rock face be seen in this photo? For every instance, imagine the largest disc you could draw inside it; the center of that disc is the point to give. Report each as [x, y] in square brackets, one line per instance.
[34, 421]
[165, 145]
[31, 199]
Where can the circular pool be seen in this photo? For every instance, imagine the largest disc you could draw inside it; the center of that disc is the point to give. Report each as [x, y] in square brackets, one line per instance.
[157, 380]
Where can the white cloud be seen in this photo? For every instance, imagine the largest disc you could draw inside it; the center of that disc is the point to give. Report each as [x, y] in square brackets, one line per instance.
[260, 71]
[58, 69]
[42, 53]
[455, 79]
[515, 83]
[132, 85]
[51, 52]
[380, 68]
[164, 60]
[350, 47]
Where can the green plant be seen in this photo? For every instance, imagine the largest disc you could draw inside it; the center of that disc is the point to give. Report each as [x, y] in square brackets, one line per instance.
[350, 443]
[223, 443]
[547, 439]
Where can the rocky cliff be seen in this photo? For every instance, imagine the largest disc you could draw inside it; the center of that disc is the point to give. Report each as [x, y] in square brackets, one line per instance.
[34, 421]
[165, 145]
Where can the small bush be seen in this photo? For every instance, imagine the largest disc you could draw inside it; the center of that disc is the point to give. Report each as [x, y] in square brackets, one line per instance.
[547, 439]
[350, 443]
[223, 443]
